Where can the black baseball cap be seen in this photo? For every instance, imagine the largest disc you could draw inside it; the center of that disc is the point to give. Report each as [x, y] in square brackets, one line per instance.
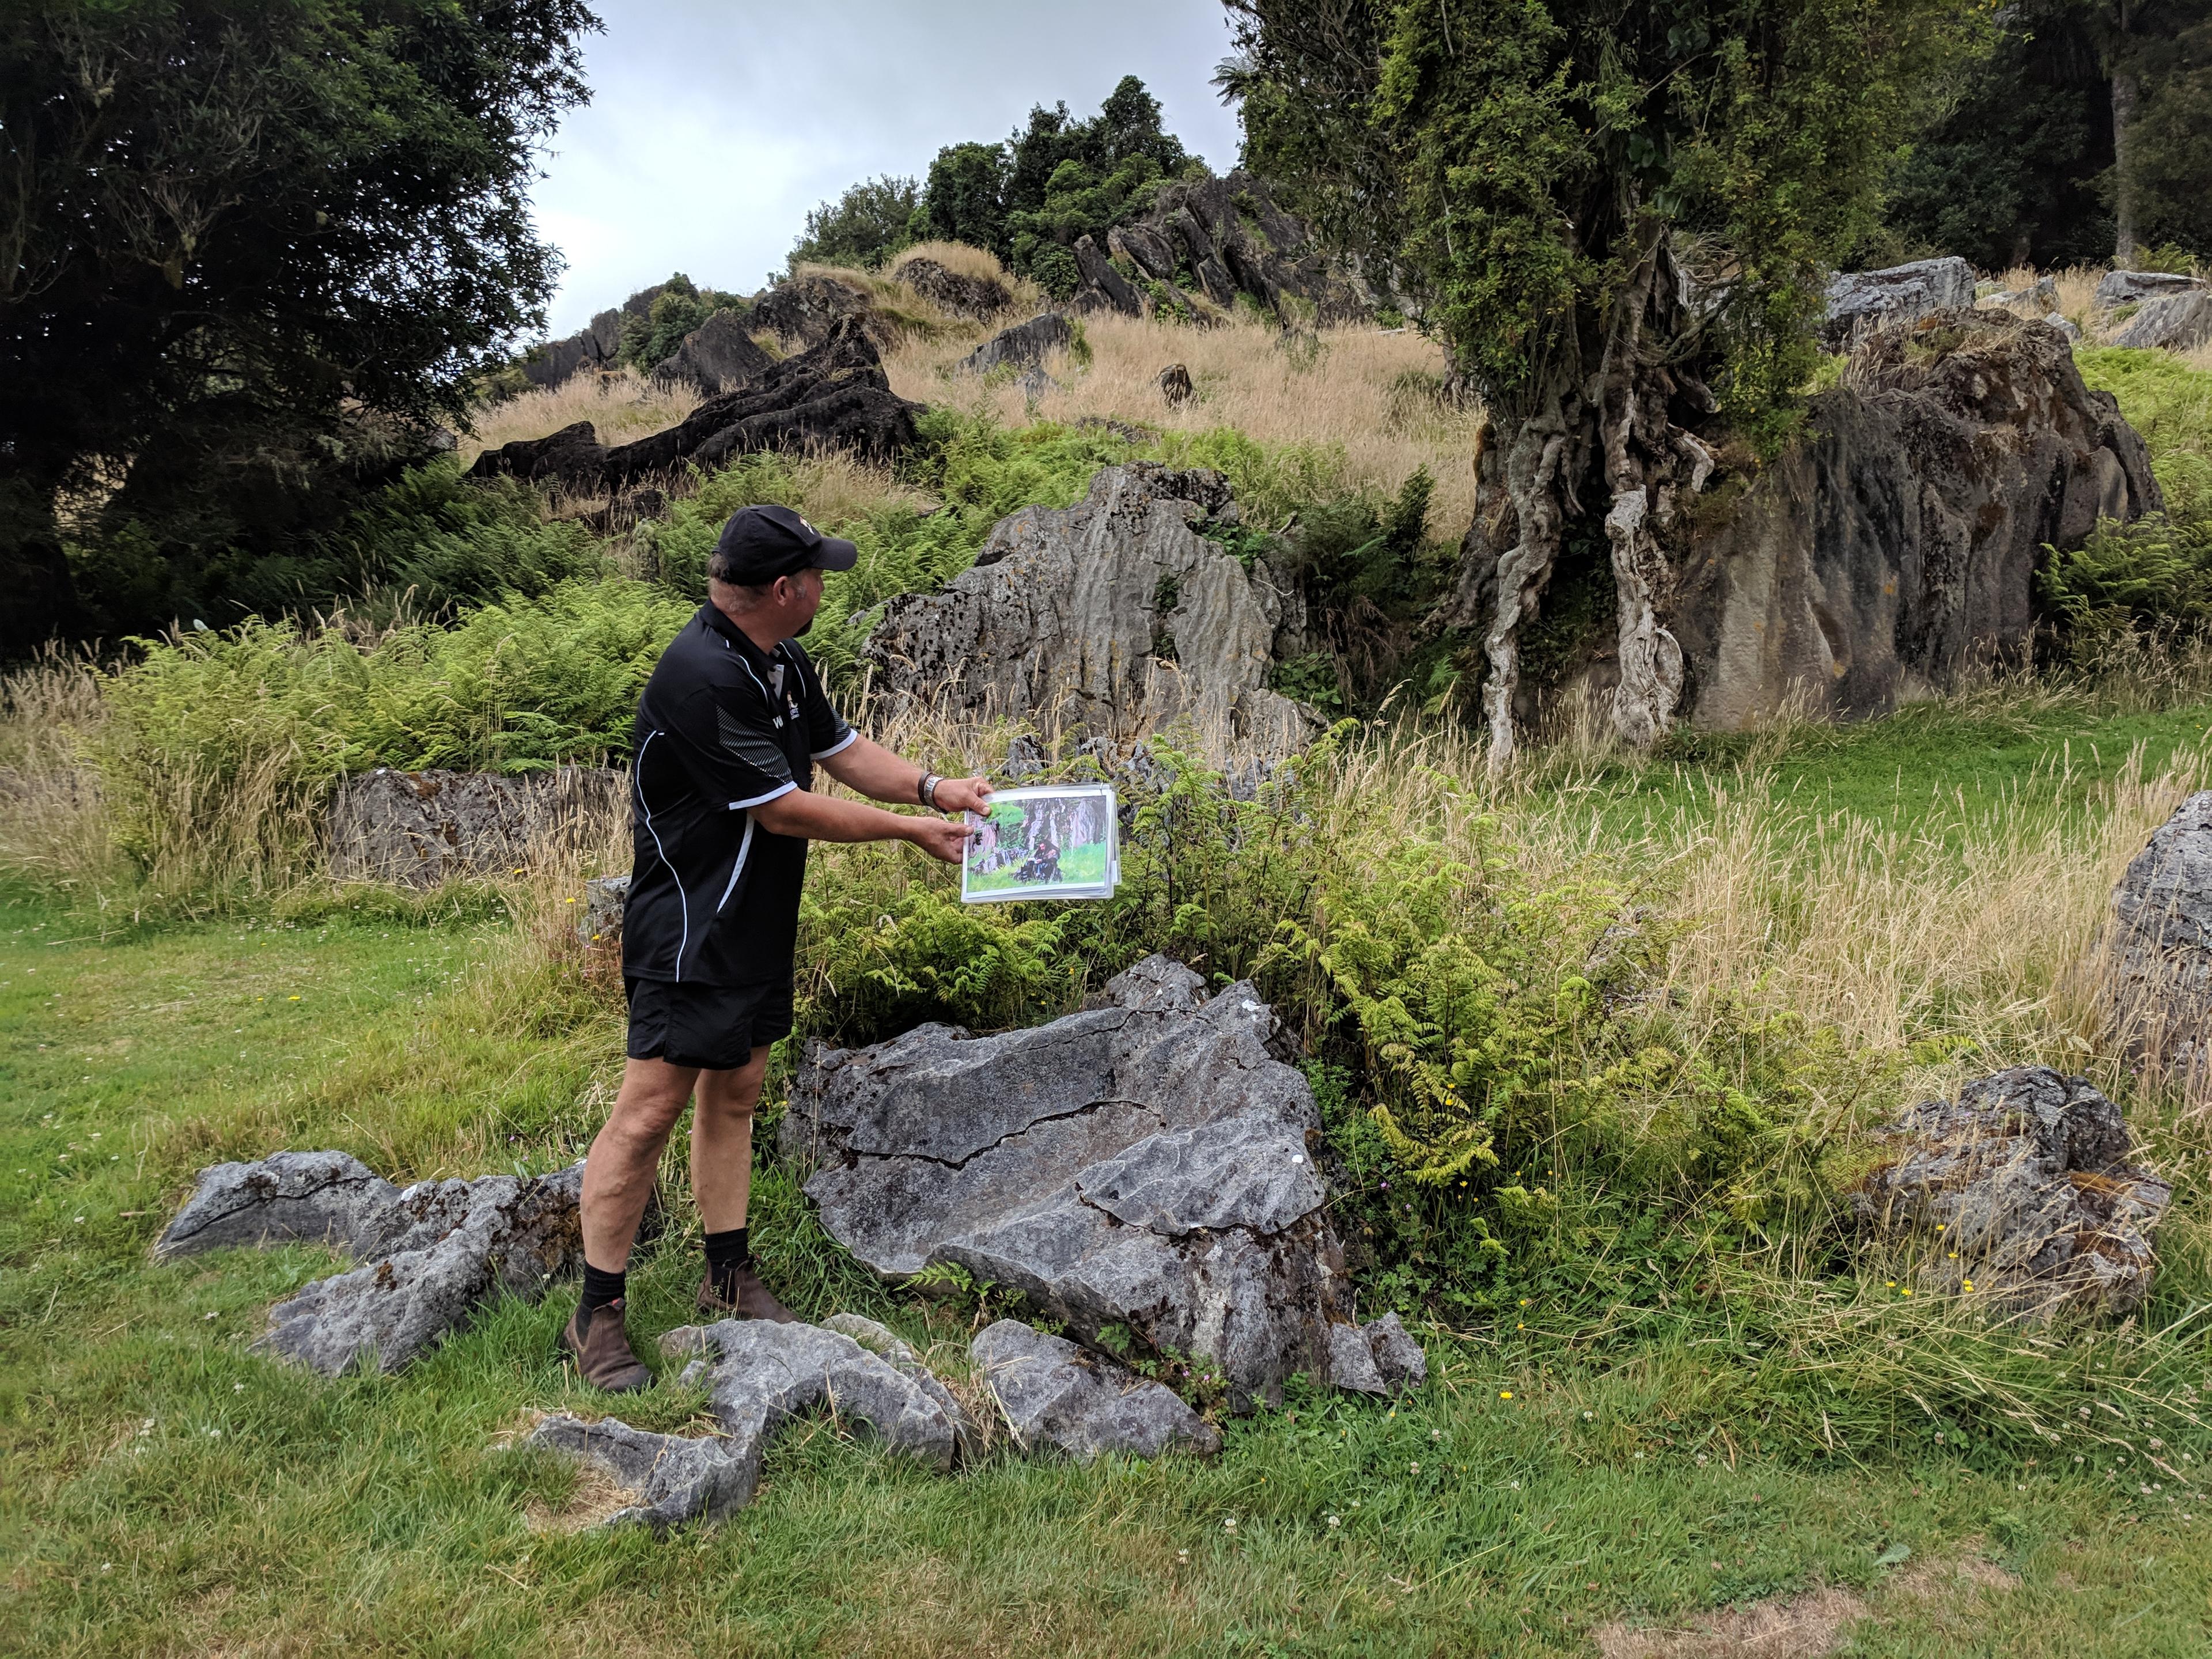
[760, 543]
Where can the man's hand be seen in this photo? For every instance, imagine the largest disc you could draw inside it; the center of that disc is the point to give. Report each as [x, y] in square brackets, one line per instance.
[963, 794]
[941, 838]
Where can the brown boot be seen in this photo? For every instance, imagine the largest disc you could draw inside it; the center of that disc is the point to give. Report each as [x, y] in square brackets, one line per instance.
[753, 1299]
[602, 1351]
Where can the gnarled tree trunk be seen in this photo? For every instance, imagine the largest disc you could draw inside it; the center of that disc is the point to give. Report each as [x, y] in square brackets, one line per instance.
[1601, 415]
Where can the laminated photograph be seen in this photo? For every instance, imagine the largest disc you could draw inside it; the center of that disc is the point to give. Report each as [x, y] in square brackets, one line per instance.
[1050, 842]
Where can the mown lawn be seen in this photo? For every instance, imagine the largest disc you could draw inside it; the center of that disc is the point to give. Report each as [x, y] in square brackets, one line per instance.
[163, 1490]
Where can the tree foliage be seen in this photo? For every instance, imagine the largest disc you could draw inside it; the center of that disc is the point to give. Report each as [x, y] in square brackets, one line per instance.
[871, 221]
[226, 228]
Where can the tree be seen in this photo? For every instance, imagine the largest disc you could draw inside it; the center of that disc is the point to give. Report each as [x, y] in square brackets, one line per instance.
[1619, 218]
[964, 200]
[872, 220]
[227, 230]
[2158, 55]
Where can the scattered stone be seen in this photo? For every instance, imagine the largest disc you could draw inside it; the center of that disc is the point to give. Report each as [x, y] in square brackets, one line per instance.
[1376, 1359]
[1025, 345]
[1053, 1392]
[2027, 1175]
[605, 899]
[805, 311]
[1175, 384]
[759, 1374]
[2133, 288]
[2042, 293]
[2174, 322]
[896, 1352]
[1863, 301]
[669, 1479]
[717, 357]
[1115, 614]
[307, 1198]
[1144, 1163]
[2159, 982]
[1351, 1361]
[1102, 282]
[418, 828]
[977, 297]
[573, 456]
[2065, 326]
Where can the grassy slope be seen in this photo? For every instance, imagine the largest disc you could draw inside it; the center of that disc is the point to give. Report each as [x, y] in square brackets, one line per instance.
[163, 1490]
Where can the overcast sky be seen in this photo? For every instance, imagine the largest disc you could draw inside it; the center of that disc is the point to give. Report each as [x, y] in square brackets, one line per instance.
[714, 125]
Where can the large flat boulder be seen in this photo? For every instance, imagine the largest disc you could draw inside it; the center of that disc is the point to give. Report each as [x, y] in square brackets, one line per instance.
[717, 357]
[1025, 345]
[2158, 972]
[287, 1197]
[418, 828]
[1859, 302]
[976, 297]
[1895, 545]
[669, 1479]
[2133, 288]
[1115, 615]
[1143, 1163]
[2023, 1190]
[2176, 322]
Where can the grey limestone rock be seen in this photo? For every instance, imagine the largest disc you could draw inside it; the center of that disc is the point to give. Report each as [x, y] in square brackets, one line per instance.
[418, 828]
[2059, 321]
[672, 1478]
[2132, 287]
[1859, 302]
[2177, 322]
[1053, 1392]
[1025, 345]
[1143, 1163]
[1351, 1361]
[2158, 950]
[717, 357]
[805, 310]
[1103, 280]
[2027, 1173]
[896, 1352]
[1379, 1358]
[314, 1198]
[760, 1374]
[963, 296]
[1115, 614]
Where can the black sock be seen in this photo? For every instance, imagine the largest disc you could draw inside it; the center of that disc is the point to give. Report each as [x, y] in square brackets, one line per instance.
[600, 1290]
[727, 1252]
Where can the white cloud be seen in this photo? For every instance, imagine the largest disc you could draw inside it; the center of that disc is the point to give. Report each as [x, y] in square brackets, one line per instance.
[714, 125]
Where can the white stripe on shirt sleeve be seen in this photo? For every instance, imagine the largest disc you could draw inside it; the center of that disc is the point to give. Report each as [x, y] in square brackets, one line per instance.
[783, 789]
[836, 748]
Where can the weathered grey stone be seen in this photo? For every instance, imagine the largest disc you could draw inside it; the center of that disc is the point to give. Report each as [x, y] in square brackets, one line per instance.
[1099, 273]
[1236, 241]
[606, 897]
[1025, 345]
[896, 1352]
[1351, 1361]
[2176, 322]
[605, 335]
[1896, 546]
[2027, 1173]
[717, 357]
[448, 1248]
[978, 297]
[418, 828]
[1143, 1163]
[1114, 614]
[1859, 302]
[572, 456]
[672, 1478]
[1397, 1356]
[759, 1374]
[2043, 293]
[314, 1198]
[2064, 325]
[2132, 287]
[1145, 247]
[550, 364]
[805, 311]
[1053, 1392]
[2159, 952]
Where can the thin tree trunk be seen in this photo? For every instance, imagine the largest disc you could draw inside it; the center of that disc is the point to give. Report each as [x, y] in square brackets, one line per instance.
[2127, 242]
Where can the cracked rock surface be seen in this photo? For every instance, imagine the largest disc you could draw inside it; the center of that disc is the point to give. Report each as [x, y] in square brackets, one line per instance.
[760, 1374]
[1053, 1392]
[427, 1258]
[2027, 1175]
[2160, 986]
[1143, 1163]
[1380, 1358]
[670, 1477]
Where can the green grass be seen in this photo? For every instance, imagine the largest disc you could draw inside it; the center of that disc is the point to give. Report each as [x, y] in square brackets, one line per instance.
[163, 1490]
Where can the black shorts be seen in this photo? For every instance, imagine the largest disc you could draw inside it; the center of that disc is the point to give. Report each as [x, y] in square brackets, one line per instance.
[714, 1027]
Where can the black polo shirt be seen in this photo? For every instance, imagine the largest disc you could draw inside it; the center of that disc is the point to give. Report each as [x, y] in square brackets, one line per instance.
[723, 727]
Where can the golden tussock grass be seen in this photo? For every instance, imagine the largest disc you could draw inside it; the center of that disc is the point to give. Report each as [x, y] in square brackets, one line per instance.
[1370, 394]
[621, 404]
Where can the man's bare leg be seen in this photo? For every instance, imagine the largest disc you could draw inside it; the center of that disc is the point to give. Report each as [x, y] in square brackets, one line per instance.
[722, 1142]
[625, 1157]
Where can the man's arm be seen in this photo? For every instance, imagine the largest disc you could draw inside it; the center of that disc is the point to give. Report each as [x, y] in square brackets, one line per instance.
[799, 812]
[869, 768]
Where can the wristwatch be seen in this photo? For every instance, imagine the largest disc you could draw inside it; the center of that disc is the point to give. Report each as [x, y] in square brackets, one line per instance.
[926, 791]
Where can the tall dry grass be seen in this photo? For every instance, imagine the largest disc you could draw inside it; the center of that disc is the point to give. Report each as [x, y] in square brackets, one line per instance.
[621, 405]
[53, 830]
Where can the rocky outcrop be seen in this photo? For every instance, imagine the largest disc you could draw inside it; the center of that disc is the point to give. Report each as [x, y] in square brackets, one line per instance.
[1053, 1394]
[2020, 1195]
[1025, 345]
[1897, 543]
[833, 395]
[805, 311]
[669, 1479]
[2158, 970]
[1143, 1163]
[418, 828]
[978, 298]
[717, 357]
[1102, 285]
[1115, 615]
[1861, 302]
[2176, 322]
[2133, 288]
[429, 1259]
[592, 349]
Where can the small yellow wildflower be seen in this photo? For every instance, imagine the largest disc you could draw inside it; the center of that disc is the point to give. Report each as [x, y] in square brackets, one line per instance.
[1505, 1394]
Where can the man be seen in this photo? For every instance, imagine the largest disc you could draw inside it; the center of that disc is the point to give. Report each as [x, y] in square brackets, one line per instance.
[729, 731]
